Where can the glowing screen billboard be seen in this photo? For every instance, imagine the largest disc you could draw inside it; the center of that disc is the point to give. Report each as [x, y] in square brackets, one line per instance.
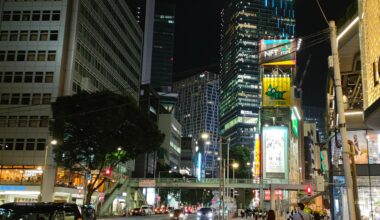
[275, 147]
[278, 52]
[276, 90]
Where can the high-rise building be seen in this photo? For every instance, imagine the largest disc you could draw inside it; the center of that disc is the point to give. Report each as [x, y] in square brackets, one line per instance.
[244, 24]
[50, 49]
[197, 110]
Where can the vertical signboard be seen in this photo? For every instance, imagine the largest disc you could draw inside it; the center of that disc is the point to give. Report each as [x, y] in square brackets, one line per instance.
[257, 157]
[276, 90]
[275, 147]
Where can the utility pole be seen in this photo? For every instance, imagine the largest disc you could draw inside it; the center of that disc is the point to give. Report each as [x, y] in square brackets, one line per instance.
[221, 181]
[228, 164]
[342, 122]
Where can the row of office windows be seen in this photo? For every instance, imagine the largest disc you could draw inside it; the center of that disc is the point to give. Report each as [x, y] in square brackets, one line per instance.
[26, 77]
[30, 55]
[24, 121]
[22, 144]
[31, 15]
[25, 98]
[31, 35]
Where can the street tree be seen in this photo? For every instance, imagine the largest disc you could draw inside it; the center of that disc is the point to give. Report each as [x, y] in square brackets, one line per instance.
[242, 156]
[98, 131]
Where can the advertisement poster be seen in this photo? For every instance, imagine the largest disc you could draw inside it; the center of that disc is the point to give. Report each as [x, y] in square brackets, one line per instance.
[276, 91]
[374, 146]
[278, 52]
[275, 144]
[359, 143]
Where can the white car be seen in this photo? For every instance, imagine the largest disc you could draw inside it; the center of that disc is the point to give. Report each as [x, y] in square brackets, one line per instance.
[147, 209]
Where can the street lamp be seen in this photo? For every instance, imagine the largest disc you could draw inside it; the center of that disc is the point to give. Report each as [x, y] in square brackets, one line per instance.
[205, 136]
[234, 166]
[52, 142]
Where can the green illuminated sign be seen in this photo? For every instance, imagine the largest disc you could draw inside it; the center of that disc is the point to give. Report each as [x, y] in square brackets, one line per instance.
[294, 122]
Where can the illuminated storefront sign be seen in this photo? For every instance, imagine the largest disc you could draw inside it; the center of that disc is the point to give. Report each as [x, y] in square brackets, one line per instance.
[276, 91]
[275, 146]
[294, 123]
[278, 52]
[257, 159]
[277, 194]
[198, 166]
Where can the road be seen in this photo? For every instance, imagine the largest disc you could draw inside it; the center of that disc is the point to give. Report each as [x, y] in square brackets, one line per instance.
[155, 217]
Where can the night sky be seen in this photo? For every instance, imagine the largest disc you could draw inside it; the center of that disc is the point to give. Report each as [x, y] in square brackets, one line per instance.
[198, 39]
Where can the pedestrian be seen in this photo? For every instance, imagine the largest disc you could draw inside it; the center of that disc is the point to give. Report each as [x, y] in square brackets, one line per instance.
[242, 213]
[300, 215]
[271, 215]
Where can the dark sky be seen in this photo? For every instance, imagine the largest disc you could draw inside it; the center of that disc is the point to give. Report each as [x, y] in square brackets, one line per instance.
[198, 39]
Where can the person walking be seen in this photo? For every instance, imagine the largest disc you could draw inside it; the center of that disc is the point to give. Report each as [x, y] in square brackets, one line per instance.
[271, 215]
[300, 215]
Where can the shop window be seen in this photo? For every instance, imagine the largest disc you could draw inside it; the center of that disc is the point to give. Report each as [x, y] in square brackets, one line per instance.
[4, 99]
[31, 55]
[19, 144]
[36, 99]
[11, 55]
[53, 35]
[15, 99]
[23, 121]
[16, 16]
[3, 122]
[28, 77]
[41, 144]
[9, 144]
[13, 36]
[23, 35]
[30, 144]
[18, 77]
[25, 100]
[26, 15]
[12, 121]
[44, 121]
[46, 15]
[33, 35]
[4, 36]
[36, 15]
[46, 98]
[38, 77]
[21, 55]
[2, 55]
[33, 121]
[49, 77]
[51, 55]
[8, 77]
[6, 16]
[56, 15]
[44, 35]
[41, 56]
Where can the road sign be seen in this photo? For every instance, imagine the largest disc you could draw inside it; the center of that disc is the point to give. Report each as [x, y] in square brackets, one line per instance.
[147, 183]
[95, 172]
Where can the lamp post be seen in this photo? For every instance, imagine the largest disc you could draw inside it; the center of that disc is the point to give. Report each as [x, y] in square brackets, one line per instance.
[234, 166]
[52, 142]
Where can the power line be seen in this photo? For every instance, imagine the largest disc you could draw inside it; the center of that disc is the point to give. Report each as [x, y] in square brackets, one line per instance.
[324, 16]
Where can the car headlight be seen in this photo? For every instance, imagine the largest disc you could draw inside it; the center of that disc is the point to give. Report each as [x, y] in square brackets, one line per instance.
[199, 214]
[181, 215]
[171, 215]
[209, 214]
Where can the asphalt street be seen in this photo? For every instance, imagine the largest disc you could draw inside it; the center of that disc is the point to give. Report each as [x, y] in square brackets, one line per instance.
[156, 217]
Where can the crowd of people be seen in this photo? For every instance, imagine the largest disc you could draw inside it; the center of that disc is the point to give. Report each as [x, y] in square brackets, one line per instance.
[296, 214]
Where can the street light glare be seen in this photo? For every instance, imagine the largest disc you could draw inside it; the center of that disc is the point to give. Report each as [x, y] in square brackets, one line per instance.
[235, 165]
[53, 142]
[204, 136]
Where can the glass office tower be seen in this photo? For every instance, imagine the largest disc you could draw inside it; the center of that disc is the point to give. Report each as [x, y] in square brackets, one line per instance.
[244, 23]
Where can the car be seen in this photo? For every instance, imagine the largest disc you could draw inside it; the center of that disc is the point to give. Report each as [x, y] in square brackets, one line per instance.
[136, 211]
[147, 209]
[177, 214]
[206, 213]
[40, 211]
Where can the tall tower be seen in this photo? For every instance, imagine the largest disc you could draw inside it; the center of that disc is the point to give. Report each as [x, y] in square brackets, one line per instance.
[244, 23]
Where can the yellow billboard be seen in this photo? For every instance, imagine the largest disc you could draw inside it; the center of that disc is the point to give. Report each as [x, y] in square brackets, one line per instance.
[276, 91]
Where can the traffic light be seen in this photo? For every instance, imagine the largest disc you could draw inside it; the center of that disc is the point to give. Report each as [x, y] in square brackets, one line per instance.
[108, 171]
[309, 190]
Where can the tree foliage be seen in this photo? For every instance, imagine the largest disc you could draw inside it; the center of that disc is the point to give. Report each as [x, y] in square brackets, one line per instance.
[100, 130]
[241, 155]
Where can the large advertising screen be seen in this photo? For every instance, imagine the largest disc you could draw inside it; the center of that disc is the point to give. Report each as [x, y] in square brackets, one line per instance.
[275, 147]
[278, 52]
[276, 91]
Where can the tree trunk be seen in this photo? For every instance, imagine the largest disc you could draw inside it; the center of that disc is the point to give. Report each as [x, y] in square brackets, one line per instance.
[90, 191]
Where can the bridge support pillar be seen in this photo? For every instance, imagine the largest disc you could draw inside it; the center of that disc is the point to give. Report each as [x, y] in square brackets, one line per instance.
[272, 198]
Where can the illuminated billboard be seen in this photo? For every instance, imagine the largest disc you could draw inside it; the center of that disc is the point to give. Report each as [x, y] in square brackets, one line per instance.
[275, 147]
[278, 52]
[276, 90]
[257, 157]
